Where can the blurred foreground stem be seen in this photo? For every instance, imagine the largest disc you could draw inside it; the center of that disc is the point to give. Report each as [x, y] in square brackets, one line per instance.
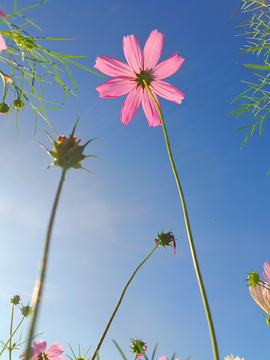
[36, 298]
[190, 238]
[118, 304]
[11, 324]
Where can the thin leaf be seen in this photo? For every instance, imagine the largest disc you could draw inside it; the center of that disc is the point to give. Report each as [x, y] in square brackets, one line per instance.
[260, 67]
[121, 352]
[84, 67]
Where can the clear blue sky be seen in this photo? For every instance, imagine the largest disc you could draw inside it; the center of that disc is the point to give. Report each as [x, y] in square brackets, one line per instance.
[107, 221]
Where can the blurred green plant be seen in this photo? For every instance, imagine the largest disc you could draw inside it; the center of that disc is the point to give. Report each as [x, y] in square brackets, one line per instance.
[256, 98]
[30, 66]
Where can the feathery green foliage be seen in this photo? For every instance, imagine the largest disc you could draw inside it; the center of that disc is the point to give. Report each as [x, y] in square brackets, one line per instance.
[256, 98]
[28, 66]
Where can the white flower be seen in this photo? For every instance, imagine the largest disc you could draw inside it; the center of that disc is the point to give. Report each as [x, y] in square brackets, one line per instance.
[261, 294]
[231, 357]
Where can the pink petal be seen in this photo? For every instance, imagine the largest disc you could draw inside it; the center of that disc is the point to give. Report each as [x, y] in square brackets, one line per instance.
[133, 52]
[112, 66]
[2, 13]
[168, 67]
[266, 272]
[150, 108]
[168, 91]
[131, 105]
[54, 350]
[31, 353]
[163, 358]
[152, 49]
[3, 45]
[116, 87]
[40, 346]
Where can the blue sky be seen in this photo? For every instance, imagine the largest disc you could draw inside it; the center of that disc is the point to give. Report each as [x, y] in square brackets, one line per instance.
[107, 221]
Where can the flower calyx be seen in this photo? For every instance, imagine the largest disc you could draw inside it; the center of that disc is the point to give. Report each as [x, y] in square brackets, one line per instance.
[27, 310]
[165, 239]
[138, 347]
[253, 278]
[67, 152]
[80, 357]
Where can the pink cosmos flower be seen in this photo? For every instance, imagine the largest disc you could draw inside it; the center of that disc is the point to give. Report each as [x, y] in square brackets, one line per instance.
[165, 358]
[266, 272]
[141, 65]
[38, 351]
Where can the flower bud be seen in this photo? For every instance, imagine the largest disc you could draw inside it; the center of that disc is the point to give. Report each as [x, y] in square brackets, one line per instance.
[28, 44]
[18, 104]
[15, 300]
[4, 108]
[164, 239]
[67, 151]
[253, 278]
[138, 347]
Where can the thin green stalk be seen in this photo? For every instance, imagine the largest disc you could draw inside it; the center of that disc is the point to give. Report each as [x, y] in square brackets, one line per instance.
[118, 304]
[11, 336]
[36, 298]
[11, 323]
[190, 238]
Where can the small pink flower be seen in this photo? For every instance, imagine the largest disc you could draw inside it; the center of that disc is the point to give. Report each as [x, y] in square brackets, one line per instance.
[2, 13]
[39, 351]
[165, 358]
[141, 65]
[266, 272]
[3, 45]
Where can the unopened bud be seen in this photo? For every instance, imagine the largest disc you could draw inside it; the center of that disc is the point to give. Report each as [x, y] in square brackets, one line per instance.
[15, 300]
[4, 108]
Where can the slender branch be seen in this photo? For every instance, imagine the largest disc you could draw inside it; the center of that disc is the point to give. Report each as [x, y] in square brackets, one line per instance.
[11, 323]
[11, 336]
[118, 304]
[36, 298]
[190, 238]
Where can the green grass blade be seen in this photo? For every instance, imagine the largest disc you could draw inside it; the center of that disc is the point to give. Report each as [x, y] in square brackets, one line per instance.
[118, 347]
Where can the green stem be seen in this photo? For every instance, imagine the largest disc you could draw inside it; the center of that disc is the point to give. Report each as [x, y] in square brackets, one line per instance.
[36, 298]
[11, 336]
[190, 238]
[11, 323]
[118, 304]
